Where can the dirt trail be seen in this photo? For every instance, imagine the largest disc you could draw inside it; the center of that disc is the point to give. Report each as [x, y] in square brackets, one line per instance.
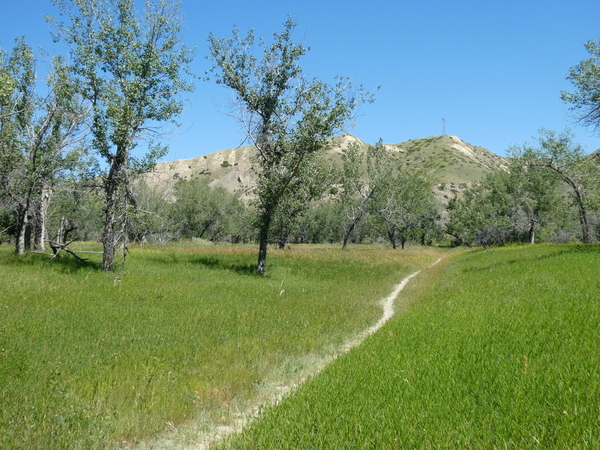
[388, 312]
[204, 440]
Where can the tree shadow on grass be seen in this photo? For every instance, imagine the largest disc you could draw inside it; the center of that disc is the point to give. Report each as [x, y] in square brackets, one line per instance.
[214, 263]
[557, 250]
[72, 265]
[63, 263]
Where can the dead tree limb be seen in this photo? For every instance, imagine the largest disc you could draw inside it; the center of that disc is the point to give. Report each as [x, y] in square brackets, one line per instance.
[56, 248]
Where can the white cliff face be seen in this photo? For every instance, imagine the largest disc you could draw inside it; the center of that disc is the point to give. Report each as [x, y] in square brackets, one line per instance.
[463, 148]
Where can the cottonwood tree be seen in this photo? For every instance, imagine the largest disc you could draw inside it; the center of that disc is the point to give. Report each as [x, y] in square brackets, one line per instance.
[323, 222]
[565, 160]
[585, 101]
[207, 212]
[366, 180]
[537, 195]
[287, 116]
[294, 205]
[36, 134]
[153, 219]
[585, 76]
[132, 71]
[407, 207]
[483, 215]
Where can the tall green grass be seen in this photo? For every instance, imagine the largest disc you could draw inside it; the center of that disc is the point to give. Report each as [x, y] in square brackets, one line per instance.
[499, 350]
[99, 360]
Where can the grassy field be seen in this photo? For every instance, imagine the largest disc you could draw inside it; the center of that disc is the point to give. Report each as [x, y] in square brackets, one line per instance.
[498, 350]
[180, 335]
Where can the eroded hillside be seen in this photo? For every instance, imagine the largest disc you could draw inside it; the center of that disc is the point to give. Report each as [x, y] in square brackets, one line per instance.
[452, 163]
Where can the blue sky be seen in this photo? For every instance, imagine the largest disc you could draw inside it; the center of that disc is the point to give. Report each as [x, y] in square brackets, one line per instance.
[492, 69]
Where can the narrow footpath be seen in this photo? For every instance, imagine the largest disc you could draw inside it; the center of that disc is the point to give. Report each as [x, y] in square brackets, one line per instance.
[204, 440]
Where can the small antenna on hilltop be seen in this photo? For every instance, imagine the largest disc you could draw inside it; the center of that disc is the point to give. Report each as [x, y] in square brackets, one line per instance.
[443, 127]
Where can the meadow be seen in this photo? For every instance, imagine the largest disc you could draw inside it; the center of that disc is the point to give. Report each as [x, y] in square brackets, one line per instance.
[179, 335]
[497, 350]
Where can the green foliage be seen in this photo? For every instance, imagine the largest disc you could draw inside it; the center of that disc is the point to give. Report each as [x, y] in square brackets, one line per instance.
[81, 205]
[532, 195]
[559, 157]
[365, 181]
[484, 214]
[323, 222]
[585, 76]
[496, 350]
[288, 117]
[395, 202]
[207, 212]
[132, 72]
[37, 135]
[152, 218]
[408, 207]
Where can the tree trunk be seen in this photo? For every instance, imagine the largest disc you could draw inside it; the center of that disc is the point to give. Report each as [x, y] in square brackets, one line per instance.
[583, 219]
[392, 238]
[348, 235]
[64, 228]
[109, 234]
[351, 231]
[115, 233]
[263, 241]
[115, 209]
[41, 220]
[22, 225]
[531, 233]
[585, 231]
[108, 242]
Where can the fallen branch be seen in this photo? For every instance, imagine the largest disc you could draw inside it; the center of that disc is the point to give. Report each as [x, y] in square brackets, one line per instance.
[56, 248]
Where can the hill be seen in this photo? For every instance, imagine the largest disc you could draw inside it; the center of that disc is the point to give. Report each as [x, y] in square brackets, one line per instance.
[453, 163]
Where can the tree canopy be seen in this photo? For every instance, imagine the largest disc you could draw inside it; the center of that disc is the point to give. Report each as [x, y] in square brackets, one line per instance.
[585, 76]
[286, 115]
[131, 70]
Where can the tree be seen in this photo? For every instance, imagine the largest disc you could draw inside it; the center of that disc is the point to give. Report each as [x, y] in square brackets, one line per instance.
[152, 220]
[131, 71]
[323, 222]
[319, 177]
[408, 206]
[586, 78]
[484, 214]
[287, 116]
[366, 180]
[207, 212]
[513, 205]
[36, 134]
[560, 157]
[537, 195]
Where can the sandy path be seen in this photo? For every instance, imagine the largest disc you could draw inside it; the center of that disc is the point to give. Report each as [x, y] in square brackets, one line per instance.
[388, 312]
[203, 441]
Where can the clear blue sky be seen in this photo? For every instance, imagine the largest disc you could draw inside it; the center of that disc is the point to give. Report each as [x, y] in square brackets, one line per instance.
[493, 69]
